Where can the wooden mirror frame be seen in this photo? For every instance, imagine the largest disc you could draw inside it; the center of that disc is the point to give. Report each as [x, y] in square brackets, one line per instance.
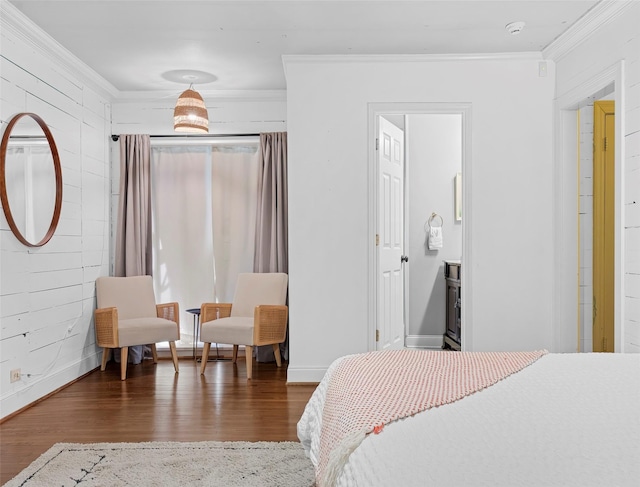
[3, 181]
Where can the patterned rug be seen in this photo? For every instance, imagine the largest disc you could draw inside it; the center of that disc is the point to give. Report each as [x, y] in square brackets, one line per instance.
[208, 463]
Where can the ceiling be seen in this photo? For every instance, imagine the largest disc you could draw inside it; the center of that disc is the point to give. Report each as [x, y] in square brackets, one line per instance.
[137, 45]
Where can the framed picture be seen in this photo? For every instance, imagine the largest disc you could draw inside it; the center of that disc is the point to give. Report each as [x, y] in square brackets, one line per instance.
[458, 197]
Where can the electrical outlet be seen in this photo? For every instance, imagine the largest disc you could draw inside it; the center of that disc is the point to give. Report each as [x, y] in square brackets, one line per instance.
[15, 375]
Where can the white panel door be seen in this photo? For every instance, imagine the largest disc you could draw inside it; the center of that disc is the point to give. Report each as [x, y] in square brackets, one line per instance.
[390, 295]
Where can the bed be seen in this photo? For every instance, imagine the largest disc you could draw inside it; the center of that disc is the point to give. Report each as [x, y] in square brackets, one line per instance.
[556, 420]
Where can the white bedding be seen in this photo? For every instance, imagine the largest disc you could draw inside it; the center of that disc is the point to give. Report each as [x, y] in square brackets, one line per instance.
[566, 420]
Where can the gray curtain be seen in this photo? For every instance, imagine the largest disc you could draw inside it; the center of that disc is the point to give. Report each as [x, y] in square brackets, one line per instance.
[133, 233]
[271, 249]
[271, 252]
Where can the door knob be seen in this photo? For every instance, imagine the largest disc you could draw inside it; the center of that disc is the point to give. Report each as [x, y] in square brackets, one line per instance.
[404, 258]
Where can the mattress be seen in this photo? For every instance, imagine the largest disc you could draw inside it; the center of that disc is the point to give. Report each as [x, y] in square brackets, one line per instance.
[565, 420]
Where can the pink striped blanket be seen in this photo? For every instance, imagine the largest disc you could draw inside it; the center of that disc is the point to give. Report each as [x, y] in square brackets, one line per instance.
[369, 390]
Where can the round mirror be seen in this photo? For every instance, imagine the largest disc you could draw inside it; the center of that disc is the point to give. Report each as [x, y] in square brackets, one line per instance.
[30, 179]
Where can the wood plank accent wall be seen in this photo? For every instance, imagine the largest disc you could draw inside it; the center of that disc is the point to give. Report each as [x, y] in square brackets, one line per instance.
[47, 293]
[632, 188]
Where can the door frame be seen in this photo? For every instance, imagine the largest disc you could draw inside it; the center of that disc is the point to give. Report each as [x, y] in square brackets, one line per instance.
[565, 323]
[375, 110]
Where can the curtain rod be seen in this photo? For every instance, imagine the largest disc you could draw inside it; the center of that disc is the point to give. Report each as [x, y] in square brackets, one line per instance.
[115, 137]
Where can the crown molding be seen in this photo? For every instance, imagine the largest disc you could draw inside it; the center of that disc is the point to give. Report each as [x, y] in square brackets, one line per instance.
[602, 13]
[407, 58]
[292, 59]
[14, 21]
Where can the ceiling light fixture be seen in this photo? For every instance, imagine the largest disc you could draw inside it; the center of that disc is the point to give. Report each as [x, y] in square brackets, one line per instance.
[190, 113]
[514, 28]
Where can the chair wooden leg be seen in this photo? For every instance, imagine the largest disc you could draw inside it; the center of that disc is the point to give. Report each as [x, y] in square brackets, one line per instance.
[106, 354]
[248, 351]
[235, 354]
[205, 356]
[154, 353]
[276, 354]
[174, 355]
[124, 356]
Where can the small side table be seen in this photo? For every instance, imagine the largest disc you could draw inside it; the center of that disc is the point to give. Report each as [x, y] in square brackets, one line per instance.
[196, 337]
[196, 329]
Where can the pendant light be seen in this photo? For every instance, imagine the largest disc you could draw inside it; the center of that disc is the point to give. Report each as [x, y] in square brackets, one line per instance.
[190, 114]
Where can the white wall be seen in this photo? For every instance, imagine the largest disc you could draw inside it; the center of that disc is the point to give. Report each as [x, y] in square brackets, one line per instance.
[434, 156]
[329, 234]
[618, 40]
[47, 293]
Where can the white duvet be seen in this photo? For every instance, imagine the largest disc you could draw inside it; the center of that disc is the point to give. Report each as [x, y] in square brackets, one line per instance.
[566, 420]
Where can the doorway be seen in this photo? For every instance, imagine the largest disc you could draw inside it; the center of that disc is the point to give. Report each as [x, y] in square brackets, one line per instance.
[572, 264]
[419, 326]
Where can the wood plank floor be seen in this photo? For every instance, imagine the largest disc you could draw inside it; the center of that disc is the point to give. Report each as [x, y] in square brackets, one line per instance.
[154, 404]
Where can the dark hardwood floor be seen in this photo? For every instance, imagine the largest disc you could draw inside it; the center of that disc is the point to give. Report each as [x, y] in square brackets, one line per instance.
[154, 404]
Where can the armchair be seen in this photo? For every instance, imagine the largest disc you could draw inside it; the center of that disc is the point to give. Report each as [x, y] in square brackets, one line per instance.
[128, 315]
[257, 316]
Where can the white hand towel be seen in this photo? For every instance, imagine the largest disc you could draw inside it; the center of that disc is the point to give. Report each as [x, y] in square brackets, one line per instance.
[435, 238]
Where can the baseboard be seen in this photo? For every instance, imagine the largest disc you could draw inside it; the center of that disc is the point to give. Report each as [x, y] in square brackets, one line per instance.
[425, 341]
[304, 375]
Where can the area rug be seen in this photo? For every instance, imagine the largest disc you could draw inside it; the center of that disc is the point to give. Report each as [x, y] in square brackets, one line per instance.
[209, 463]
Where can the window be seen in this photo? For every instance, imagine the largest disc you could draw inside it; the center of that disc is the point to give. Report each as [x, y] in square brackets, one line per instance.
[204, 200]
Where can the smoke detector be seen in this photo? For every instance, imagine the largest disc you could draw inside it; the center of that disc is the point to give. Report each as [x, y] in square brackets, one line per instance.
[514, 28]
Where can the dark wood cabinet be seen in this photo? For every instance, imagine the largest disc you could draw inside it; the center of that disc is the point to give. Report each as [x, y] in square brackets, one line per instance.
[452, 275]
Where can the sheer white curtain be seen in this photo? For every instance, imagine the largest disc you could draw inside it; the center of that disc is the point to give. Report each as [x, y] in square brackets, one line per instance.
[234, 198]
[203, 206]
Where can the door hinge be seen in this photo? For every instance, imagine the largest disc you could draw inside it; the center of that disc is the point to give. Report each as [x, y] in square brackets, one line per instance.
[605, 144]
[377, 144]
[377, 239]
[377, 335]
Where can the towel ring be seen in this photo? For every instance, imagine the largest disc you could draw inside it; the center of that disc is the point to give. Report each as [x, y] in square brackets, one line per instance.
[433, 218]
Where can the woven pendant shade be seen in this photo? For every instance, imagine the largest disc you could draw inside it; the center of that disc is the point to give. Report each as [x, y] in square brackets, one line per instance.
[190, 114]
